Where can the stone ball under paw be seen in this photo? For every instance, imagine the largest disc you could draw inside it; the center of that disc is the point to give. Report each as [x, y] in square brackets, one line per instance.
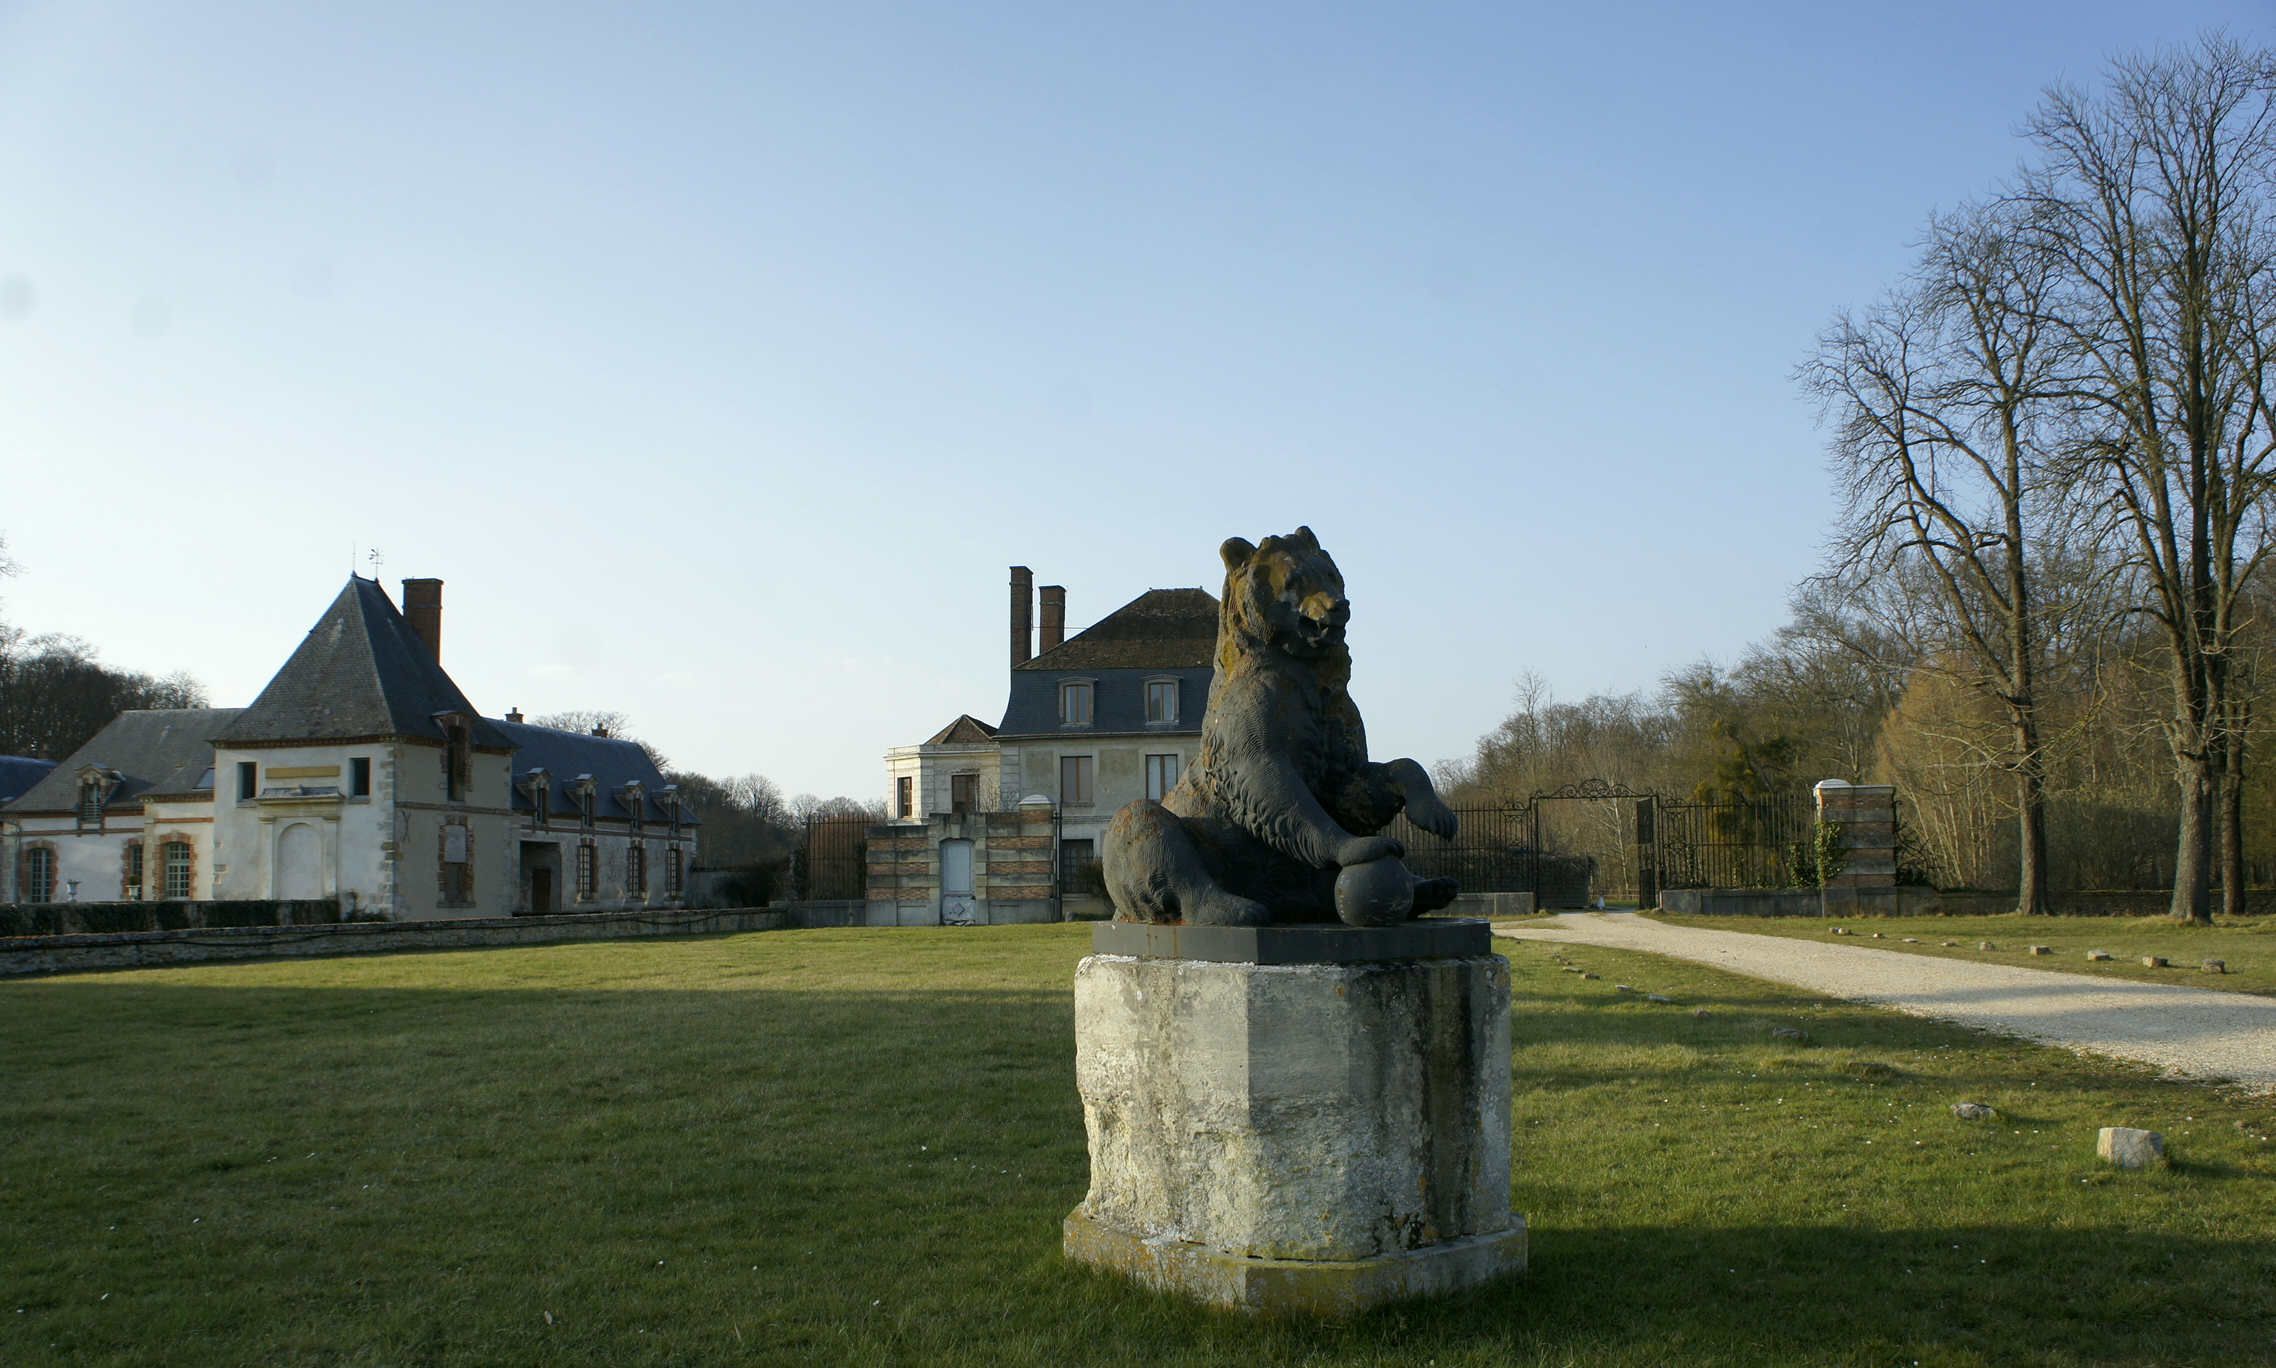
[1377, 893]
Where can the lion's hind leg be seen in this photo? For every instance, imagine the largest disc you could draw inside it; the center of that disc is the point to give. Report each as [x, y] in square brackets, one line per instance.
[1155, 873]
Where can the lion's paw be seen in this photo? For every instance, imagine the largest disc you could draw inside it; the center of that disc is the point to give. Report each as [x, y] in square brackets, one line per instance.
[1433, 894]
[1434, 816]
[1219, 908]
[1366, 849]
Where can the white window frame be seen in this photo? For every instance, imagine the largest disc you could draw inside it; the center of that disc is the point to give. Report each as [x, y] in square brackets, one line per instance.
[1168, 683]
[1089, 693]
[42, 866]
[166, 868]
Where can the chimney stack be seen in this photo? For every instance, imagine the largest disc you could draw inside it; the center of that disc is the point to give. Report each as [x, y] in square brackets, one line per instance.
[1023, 615]
[513, 714]
[423, 609]
[1054, 617]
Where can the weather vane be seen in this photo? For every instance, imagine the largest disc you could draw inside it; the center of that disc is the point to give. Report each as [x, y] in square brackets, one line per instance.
[375, 558]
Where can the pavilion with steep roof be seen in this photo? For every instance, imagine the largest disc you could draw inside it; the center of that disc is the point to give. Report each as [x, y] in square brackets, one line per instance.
[363, 775]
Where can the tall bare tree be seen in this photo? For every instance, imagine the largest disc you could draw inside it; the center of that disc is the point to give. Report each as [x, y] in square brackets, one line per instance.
[2154, 198]
[1943, 400]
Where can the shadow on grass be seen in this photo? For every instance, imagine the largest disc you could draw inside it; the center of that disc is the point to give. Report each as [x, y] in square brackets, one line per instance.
[1960, 1292]
[590, 1174]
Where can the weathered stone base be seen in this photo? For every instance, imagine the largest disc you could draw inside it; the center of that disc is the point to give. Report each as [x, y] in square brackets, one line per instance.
[1311, 1287]
[1296, 1118]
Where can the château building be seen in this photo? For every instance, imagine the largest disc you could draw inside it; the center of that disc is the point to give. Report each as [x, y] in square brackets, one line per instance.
[361, 774]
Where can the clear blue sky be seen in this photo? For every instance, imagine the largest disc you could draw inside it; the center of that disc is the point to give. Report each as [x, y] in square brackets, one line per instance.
[721, 359]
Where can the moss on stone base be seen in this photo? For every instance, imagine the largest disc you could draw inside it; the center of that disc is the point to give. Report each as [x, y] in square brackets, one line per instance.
[1296, 1287]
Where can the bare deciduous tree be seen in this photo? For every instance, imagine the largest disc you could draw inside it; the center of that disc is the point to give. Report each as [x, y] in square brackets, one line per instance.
[1943, 399]
[2153, 198]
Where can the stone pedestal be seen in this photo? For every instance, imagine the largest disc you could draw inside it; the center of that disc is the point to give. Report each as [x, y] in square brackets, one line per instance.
[1306, 1119]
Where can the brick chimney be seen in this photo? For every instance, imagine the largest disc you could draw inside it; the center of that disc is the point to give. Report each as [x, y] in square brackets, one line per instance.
[513, 714]
[1054, 617]
[1023, 615]
[423, 608]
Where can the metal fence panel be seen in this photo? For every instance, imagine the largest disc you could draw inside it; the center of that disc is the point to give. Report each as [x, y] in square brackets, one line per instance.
[834, 861]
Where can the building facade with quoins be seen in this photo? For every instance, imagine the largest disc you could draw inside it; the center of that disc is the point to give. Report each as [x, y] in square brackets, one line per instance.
[1090, 723]
[361, 773]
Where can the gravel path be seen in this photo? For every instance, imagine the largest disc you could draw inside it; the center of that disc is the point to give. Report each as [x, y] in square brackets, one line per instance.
[2196, 1032]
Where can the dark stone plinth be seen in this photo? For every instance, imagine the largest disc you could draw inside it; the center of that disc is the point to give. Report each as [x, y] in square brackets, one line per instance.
[1452, 938]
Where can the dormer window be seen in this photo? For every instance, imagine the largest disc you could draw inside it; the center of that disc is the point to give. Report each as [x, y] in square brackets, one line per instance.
[1161, 701]
[1075, 703]
[92, 791]
[633, 798]
[458, 757]
[670, 798]
[587, 795]
[539, 786]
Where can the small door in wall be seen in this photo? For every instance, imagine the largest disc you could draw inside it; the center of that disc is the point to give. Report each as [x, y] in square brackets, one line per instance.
[956, 905]
[299, 853]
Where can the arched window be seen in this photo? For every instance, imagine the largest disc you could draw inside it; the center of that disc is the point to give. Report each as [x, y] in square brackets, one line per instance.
[174, 869]
[37, 879]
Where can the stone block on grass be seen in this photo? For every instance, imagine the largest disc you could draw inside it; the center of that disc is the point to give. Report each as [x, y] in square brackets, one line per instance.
[1299, 1132]
[2128, 1148]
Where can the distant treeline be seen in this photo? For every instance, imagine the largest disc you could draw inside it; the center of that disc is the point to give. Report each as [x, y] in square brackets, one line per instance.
[55, 695]
[2054, 440]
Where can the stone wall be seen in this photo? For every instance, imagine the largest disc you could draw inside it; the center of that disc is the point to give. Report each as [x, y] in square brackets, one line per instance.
[1866, 818]
[1013, 875]
[64, 954]
[1741, 902]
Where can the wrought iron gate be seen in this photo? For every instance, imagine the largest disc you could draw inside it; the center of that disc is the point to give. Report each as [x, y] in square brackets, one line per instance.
[1572, 845]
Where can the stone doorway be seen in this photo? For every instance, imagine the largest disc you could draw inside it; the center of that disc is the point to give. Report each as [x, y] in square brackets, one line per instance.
[541, 878]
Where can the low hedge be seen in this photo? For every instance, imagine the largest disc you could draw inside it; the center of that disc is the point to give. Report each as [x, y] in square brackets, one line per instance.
[96, 918]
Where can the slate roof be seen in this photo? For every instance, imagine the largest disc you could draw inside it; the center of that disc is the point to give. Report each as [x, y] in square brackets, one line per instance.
[17, 775]
[1161, 629]
[159, 752]
[965, 730]
[563, 755]
[361, 672]
[1118, 703]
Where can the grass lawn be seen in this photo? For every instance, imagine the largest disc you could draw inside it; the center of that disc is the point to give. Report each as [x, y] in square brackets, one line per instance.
[2247, 944]
[856, 1146]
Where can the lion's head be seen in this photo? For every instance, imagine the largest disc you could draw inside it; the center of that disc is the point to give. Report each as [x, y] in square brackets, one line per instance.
[1283, 594]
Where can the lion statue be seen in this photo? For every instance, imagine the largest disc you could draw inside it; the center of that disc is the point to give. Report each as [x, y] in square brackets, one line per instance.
[1282, 800]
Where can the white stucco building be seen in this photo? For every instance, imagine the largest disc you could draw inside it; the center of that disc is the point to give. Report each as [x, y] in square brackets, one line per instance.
[360, 774]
